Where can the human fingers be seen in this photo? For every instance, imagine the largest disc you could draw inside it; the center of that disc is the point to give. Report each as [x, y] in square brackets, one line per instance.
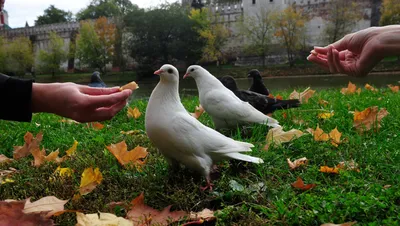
[318, 60]
[107, 113]
[343, 43]
[98, 91]
[337, 63]
[331, 64]
[108, 100]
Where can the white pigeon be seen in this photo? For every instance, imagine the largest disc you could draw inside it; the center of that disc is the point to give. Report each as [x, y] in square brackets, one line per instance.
[180, 137]
[224, 107]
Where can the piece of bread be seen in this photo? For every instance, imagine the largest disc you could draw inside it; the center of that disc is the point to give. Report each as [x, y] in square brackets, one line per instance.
[132, 86]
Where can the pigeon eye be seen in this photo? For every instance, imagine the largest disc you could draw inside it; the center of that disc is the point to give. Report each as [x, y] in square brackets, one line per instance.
[170, 71]
[192, 69]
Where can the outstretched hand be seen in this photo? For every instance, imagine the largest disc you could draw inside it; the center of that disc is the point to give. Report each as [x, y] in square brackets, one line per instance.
[78, 102]
[356, 54]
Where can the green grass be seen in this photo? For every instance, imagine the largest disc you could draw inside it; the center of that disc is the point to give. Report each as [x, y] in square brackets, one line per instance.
[349, 196]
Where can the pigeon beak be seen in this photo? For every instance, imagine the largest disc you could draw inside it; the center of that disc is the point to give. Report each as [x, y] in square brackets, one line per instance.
[158, 72]
[186, 75]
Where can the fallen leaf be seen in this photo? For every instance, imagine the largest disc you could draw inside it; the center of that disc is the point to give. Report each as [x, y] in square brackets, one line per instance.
[64, 172]
[299, 184]
[101, 219]
[11, 213]
[284, 115]
[133, 113]
[323, 102]
[277, 136]
[40, 157]
[90, 179]
[68, 121]
[96, 125]
[351, 88]
[49, 204]
[348, 165]
[335, 136]
[6, 174]
[131, 132]
[371, 88]
[198, 112]
[31, 143]
[326, 115]
[124, 157]
[145, 215]
[71, 151]
[369, 118]
[303, 96]
[395, 89]
[132, 86]
[326, 169]
[297, 163]
[344, 224]
[76, 197]
[205, 215]
[279, 97]
[320, 135]
[4, 159]
[387, 186]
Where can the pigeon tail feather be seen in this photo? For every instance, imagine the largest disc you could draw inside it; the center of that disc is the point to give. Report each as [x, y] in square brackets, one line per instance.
[243, 157]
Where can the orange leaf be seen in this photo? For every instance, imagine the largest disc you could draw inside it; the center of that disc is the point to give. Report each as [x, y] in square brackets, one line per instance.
[133, 113]
[299, 184]
[96, 125]
[40, 157]
[297, 163]
[198, 112]
[395, 89]
[125, 157]
[303, 96]
[319, 135]
[279, 97]
[335, 137]
[90, 179]
[371, 88]
[351, 88]
[369, 118]
[145, 215]
[30, 144]
[326, 169]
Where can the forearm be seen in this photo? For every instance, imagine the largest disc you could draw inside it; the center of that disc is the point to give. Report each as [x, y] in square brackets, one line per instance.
[389, 41]
[42, 95]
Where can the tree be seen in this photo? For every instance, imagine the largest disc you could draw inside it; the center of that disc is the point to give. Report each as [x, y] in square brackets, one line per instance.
[20, 56]
[258, 29]
[342, 18]
[53, 15]
[289, 28]
[3, 55]
[163, 35]
[214, 34]
[51, 59]
[390, 11]
[97, 9]
[95, 43]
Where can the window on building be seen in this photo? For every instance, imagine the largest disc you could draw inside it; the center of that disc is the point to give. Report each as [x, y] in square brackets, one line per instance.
[254, 2]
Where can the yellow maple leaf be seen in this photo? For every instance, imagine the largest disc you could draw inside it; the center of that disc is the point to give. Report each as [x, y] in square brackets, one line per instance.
[64, 172]
[395, 89]
[369, 118]
[326, 115]
[327, 169]
[124, 157]
[71, 151]
[276, 136]
[133, 113]
[90, 179]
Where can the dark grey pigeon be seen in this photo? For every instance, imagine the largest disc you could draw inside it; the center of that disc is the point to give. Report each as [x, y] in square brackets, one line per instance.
[258, 83]
[261, 102]
[95, 80]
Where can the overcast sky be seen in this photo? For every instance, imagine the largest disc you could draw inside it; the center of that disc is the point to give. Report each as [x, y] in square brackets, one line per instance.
[20, 11]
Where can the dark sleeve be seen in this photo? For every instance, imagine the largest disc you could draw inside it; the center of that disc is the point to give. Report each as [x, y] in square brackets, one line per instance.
[15, 99]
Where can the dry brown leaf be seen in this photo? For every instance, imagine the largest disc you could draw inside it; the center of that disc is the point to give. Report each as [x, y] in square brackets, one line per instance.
[31, 143]
[277, 136]
[387, 186]
[136, 156]
[320, 135]
[101, 219]
[344, 224]
[68, 121]
[145, 215]
[335, 136]
[299, 184]
[198, 112]
[303, 96]
[351, 88]
[326, 169]
[297, 163]
[40, 157]
[199, 218]
[49, 204]
[131, 132]
[6, 174]
[371, 88]
[133, 113]
[5, 159]
[348, 165]
[323, 102]
[369, 118]
[132, 86]
[89, 181]
[395, 89]
[11, 213]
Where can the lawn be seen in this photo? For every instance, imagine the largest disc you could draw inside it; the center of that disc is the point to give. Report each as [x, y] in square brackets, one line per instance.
[244, 194]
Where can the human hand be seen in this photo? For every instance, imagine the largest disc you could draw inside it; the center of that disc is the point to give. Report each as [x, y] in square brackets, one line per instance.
[78, 102]
[356, 54]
